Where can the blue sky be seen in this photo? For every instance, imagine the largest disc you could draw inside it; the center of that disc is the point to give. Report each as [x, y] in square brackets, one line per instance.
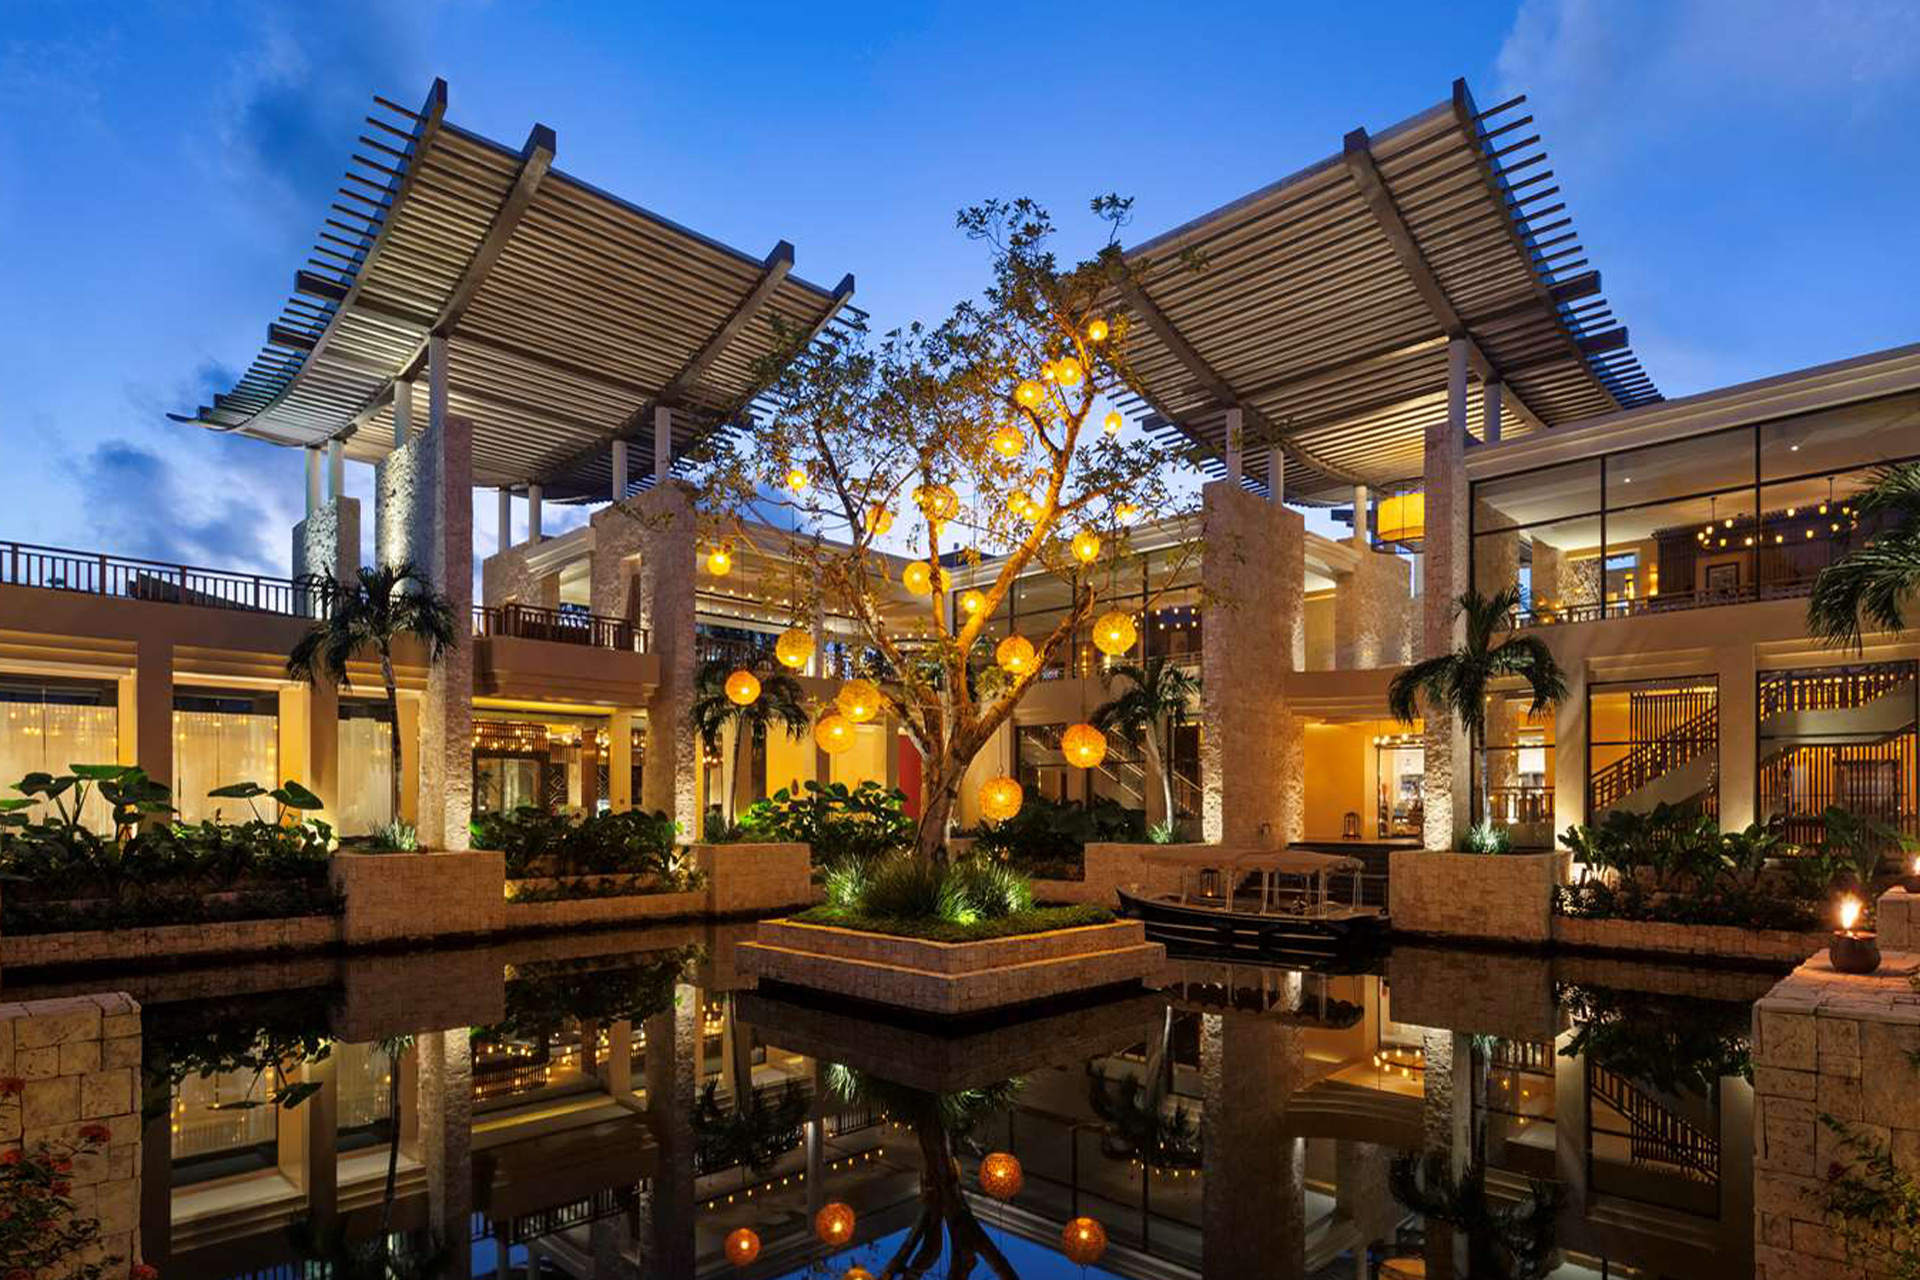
[1742, 171]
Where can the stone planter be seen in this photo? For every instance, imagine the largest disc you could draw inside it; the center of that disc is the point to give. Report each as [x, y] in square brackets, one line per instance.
[400, 897]
[745, 879]
[951, 978]
[1504, 897]
[1694, 941]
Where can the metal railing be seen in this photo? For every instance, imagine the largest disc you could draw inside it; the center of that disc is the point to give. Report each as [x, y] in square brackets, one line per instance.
[562, 626]
[1599, 610]
[92, 573]
[1655, 1135]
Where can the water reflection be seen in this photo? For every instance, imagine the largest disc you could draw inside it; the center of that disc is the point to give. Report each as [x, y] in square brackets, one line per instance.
[619, 1105]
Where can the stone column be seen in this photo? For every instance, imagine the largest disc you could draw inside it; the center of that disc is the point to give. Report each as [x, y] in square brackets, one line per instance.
[673, 1075]
[503, 518]
[314, 499]
[1446, 1121]
[1360, 536]
[1253, 1212]
[536, 498]
[442, 492]
[402, 411]
[619, 460]
[1362, 1194]
[1253, 573]
[446, 1139]
[1373, 613]
[328, 542]
[1449, 766]
[1276, 475]
[1236, 445]
[1490, 406]
[662, 444]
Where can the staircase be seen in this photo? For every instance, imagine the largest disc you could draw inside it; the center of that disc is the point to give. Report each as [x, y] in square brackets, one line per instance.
[1838, 736]
[1674, 766]
[1657, 1136]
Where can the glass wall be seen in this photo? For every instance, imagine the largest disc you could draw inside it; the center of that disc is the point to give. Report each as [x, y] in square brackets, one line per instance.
[51, 724]
[1651, 742]
[552, 763]
[1840, 736]
[1749, 513]
[366, 766]
[1517, 770]
[1168, 625]
[221, 737]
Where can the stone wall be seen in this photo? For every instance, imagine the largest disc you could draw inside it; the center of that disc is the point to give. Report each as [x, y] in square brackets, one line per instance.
[1110, 867]
[393, 897]
[78, 1064]
[1252, 761]
[221, 938]
[1833, 1044]
[1700, 941]
[744, 878]
[328, 541]
[631, 908]
[506, 578]
[1501, 897]
[1373, 616]
[1897, 920]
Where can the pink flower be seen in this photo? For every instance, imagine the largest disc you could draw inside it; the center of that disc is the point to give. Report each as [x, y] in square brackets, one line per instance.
[95, 1133]
[11, 1157]
[62, 1188]
[141, 1271]
[12, 1086]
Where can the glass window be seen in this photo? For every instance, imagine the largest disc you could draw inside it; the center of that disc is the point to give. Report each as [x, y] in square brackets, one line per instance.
[1551, 493]
[1696, 550]
[1559, 567]
[1838, 736]
[1808, 523]
[47, 725]
[1699, 464]
[1651, 742]
[220, 738]
[1841, 439]
[1517, 770]
[366, 767]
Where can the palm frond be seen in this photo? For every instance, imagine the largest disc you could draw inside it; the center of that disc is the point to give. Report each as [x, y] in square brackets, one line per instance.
[1428, 679]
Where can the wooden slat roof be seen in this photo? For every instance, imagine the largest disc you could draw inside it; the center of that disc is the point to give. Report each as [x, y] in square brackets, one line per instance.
[1322, 305]
[569, 313]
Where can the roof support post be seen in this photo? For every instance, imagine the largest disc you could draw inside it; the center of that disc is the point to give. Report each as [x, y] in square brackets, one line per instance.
[402, 411]
[1445, 790]
[336, 469]
[1276, 475]
[1236, 436]
[534, 496]
[437, 384]
[503, 518]
[662, 442]
[313, 479]
[1490, 412]
[619, 470]
[1360, 515]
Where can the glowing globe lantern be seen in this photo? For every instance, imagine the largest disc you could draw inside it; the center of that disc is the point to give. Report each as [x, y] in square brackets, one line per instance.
[719, 562]
[793, 648]
[742, 688]
[879, 520]
[1015, 655]
[1068, 372]
[973, 602]
[1086, 546]
[937, 502]
[1114, 634]
[1096, 330]
[1000, 1176]
[833, 733]
[1030, 394]
[743, 1246]
[834, 1224]
[856, 1273]
[1000, 799]
[798, 479]
[918, 577]
[1083, 1241]
[1112, 423]
[1008, 442]
[1127, 512]
[859, 700]
[1083, 745]
[1018, 502]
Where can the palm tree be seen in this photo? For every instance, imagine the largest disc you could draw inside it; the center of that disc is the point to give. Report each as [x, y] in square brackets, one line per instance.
[781, 702]
[1147, 714]
[1458, 682]
[379, 606]
[1871, 585]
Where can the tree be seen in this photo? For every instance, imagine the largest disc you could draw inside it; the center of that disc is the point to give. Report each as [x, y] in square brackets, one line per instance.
[985, 436]
[781, 701]
[1871, 585]
[1147, 714]
[1457, 683]
[371, 612]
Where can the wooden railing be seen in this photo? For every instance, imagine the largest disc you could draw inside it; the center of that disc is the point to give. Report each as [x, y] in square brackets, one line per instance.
[562, 626]
[93, 573]
[1654, 759]
[1656, 1135]
[1596, 611]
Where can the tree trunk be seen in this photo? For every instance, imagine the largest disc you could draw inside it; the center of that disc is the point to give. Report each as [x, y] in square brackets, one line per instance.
[393, 734]
[393, 1149]
[733, 780]
[930, 839]
[1161, 761]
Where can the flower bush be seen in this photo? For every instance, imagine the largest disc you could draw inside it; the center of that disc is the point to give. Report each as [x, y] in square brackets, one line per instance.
[41, 1231]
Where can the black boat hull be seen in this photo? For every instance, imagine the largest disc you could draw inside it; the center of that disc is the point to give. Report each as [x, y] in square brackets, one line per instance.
[1250, 932]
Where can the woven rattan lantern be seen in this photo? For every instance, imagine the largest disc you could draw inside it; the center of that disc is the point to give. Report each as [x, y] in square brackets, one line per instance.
[1083, 1241]
[719, 562]
[879, 520]
[793, 648]
[1015, 655]
[918, 577]
[1008, 441]
[1000, 799]
[1086, 546]
[1114, 634]
[743, 688]
[743, 1246]
[1083, 745]
[833, 733]
[834, 1224]
[859, 700]
[1000, 1175]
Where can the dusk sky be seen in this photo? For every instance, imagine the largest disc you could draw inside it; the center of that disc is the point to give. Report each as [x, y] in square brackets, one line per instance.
[1745, 174]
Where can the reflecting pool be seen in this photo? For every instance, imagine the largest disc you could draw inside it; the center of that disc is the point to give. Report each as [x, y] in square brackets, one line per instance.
[625, 1105]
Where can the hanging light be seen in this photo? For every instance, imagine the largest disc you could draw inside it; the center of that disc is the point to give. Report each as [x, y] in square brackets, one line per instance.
[879, 520]
[1112, 423]
[719, 562]
[1008, 442]
[1083, 745]
[1114, 634]
[1014, 654]
[856, 1272]
[1086, 546]
[1127, 512]
[743, 1246]
[1000, 1175]
[1018, 502]
[1067, 371]
[1083, 1241]
[1096, 330]
[798, 479]
[918, 577]
[973, 601]
[859, 700]
[1400, 520]
[743, 688]
[834, 1224]
[937, 502]
[832, 733]
[793, 648]
[1029, 394]
[1000, 799]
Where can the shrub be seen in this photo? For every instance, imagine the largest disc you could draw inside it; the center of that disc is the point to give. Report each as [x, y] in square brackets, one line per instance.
[837, 822]
[1489, 837]
[902, 888]
[43, 1230]
[1049, 835]
[536, 843]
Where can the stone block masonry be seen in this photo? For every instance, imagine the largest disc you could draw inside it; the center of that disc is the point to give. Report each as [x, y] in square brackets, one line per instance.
[1827, 1043]
[78, 1063]
[397, 897]
[1498, 897]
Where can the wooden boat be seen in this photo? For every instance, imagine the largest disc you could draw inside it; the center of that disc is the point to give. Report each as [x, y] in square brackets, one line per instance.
[1272, 902]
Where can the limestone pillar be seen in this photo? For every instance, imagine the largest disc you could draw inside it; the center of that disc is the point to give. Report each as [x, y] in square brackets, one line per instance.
[619, 460]
[313, 479]
[1449, 767]
[152, 729]
[536, 498]
[673, 1076]
[1373, 613]
[328, 542]
[1236, 445]
[1491, 405]
[503, 519]
[1276, 475]
[1362, 1194]
[1446, 1121]
[1253, 1214]
[443, 504]
[1496, 557]
[402, 411]
[662, 444]
[446, 1139]
[1253, 575]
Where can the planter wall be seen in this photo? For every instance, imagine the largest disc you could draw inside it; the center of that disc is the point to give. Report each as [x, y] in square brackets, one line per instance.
[744, 879]
[220, 938]
[1504, 897]
[1698, 941]
[398, 897]
[633, 908]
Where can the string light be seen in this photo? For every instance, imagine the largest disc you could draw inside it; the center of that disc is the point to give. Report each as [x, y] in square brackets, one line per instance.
[1096, 330]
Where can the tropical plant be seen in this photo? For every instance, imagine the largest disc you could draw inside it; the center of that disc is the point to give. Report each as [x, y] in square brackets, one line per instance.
[1489, 837]
[839, 823]
[750, 1135]
[1873, 1203]
[1050, 837]
[1853, 845]
[1148, 713]
[1139, 1127]
[372, 612]
[983, 434]
[610, 842]
[781, 702]
[1672, 1044]
[1504, 1241]
[1870, 586]
[1459, 683]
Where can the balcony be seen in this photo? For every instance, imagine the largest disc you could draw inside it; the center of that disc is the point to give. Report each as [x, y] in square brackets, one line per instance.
[94, 573]
[561, 626]
[1561, 615]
